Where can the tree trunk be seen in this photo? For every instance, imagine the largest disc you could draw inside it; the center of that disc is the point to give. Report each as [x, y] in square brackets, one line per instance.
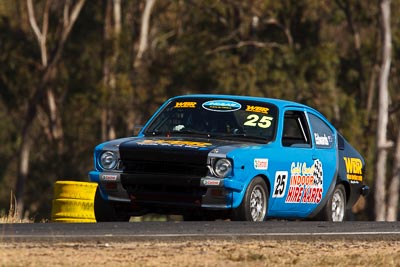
[382, 142]
[393, 198]
[111, 33]
[49, 65]
[138, 66]
[22, 176]
[144, 33]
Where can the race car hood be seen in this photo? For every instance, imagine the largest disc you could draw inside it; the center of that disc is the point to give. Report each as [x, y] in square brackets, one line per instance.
[173, 149]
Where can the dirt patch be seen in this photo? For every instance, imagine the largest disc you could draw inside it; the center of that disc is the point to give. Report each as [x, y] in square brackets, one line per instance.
[203, 253]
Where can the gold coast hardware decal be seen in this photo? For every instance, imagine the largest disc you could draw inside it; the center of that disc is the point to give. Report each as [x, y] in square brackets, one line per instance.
[353, 169]
[221, 105]
[305, 183]
[175, 143]
[185, 105]
[257, 109]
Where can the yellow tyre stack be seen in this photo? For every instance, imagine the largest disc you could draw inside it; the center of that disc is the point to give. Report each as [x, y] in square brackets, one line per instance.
[73, 202]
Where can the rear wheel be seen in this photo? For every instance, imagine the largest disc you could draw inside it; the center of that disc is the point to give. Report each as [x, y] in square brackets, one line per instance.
[335, 208]
[254, 204]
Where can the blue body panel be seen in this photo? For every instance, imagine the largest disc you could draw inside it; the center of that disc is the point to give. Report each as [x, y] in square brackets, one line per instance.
[299, 178]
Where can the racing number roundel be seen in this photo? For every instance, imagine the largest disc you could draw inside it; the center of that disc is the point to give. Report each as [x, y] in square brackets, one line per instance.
[280, 184]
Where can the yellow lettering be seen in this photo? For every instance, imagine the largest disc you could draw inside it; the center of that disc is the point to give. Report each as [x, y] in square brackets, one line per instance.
[257, 109]
[353, 165]
[185, 105]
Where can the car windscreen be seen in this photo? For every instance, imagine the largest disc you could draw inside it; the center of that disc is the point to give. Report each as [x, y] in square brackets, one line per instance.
[216, 118]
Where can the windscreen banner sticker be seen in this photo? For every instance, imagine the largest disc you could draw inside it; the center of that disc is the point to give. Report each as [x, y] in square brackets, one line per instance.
[221, 105]
[280, 184]
[257, 109]
[174, 143]
[353, 169]
[261, 164]
[305, 183]
[185, 105]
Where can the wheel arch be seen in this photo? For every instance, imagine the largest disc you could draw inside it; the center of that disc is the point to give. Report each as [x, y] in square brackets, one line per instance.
[267, 182]
[241, 195]
[347, 189]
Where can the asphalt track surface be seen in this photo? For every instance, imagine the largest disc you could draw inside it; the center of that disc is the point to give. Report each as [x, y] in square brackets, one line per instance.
[215, 230]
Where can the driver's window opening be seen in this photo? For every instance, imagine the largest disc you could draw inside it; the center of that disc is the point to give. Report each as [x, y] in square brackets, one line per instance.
[295, 130]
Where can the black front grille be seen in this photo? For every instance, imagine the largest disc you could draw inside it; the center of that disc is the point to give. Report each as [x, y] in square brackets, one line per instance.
[159, 195]
[156, 167]
[163, 189]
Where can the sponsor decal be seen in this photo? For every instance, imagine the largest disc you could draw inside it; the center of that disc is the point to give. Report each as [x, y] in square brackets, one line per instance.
[322, 140]
[280, 184]
[221, 105]
[213, 182]
[185, 105]
[175, 143]
[257, 109]
[261, 164]
[109, 177]
[353, 169]
[305, 183]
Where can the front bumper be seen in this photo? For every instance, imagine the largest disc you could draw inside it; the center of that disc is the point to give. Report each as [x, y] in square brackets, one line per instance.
[110, 186]
[151, 190]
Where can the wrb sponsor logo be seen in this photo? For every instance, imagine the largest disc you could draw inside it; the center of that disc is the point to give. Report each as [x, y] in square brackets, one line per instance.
[353, 169]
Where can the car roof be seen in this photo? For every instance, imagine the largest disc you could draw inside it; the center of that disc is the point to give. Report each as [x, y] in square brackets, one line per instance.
[280, 103]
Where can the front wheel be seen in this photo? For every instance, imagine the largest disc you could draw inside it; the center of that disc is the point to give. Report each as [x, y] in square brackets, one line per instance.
[104, 211]
[254, 204]
[335, 208]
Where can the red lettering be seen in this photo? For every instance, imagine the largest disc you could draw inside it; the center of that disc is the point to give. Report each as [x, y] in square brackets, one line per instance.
[312, 195]
[294, 194]
[319, 196]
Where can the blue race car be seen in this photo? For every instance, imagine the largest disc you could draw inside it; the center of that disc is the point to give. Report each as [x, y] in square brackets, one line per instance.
[222, 156]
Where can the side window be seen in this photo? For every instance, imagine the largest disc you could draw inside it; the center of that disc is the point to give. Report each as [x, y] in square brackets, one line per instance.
[295, 130]
[323, 135]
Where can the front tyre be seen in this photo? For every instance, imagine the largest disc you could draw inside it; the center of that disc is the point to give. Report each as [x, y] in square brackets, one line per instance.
[254, 204]
[335, 208]
[104, 211]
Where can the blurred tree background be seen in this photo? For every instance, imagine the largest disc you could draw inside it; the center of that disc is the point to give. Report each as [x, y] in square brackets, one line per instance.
[72, 82]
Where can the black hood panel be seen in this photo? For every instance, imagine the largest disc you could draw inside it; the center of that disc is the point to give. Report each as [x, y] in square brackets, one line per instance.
[166, 149]
[168, 155]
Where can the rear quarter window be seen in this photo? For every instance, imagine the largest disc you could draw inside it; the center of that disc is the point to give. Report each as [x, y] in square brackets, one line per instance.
[322, 133]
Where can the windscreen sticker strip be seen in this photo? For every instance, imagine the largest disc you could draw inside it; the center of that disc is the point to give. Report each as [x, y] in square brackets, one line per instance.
[221, 105]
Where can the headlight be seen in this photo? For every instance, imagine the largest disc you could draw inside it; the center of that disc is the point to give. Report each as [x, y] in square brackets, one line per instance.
[108, 160]
[222, 167]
